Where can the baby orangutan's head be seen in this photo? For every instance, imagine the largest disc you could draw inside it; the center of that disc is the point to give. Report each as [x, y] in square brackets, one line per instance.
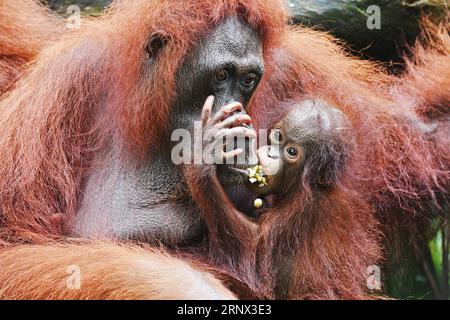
[309, 145]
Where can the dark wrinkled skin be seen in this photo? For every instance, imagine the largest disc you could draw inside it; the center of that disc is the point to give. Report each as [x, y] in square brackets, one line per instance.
[151, 202]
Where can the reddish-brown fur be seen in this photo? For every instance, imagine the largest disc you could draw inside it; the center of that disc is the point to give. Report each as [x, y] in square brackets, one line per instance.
[25, 29]
[396, 168]
[104, 270]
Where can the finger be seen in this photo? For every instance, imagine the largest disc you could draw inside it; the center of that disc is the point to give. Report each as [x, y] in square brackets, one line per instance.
[207, 109]
[238, 132]
[226, 111]
[235, 121]
[232, 154]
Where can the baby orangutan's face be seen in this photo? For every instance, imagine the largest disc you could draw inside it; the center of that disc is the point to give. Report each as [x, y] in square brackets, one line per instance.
[292, 141]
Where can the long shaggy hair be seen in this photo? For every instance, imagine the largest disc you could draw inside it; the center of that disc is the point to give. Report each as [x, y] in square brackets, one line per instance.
[23, 36]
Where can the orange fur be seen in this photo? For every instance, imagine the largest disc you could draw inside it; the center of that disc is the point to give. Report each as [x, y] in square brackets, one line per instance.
[107, 271]
[26, 28]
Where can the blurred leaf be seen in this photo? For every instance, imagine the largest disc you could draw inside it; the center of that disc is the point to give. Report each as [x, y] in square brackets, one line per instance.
[435, 246]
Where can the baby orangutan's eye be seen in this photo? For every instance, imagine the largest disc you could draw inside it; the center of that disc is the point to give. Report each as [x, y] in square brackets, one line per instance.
[292, 152]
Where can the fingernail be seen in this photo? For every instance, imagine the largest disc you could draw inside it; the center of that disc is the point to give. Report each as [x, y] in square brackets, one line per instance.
[210, 99]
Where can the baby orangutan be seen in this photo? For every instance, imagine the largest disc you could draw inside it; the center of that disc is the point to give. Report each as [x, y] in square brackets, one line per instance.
[311, 216]
[310, 141]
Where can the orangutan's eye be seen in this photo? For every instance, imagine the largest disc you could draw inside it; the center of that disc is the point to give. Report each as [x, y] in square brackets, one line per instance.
[292, 152]
[249, 80]
[222, 75]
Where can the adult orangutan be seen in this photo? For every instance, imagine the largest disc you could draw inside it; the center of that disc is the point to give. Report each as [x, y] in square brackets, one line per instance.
[86, 149]
[324, 231]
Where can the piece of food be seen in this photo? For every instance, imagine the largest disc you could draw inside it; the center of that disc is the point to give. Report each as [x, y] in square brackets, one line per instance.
[256, 175]
[258, 203]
